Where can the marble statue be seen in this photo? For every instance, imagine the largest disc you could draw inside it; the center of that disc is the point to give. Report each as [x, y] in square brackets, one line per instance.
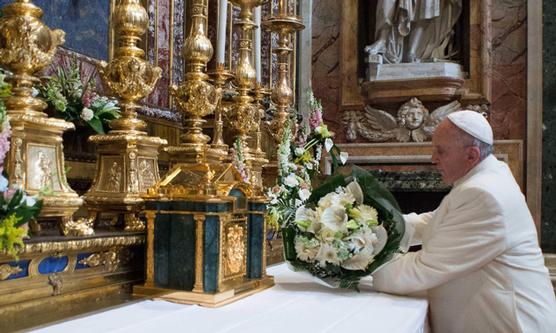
[414, 30]
[413, 122]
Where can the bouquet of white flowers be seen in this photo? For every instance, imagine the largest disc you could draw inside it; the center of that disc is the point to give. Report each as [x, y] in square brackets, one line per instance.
[349, 227]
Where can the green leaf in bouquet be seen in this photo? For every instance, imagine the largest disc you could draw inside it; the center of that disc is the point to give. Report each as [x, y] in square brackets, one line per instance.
[96, 124]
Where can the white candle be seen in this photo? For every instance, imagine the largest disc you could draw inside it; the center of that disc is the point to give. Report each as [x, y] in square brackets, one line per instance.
[257, 46]
[221, 32]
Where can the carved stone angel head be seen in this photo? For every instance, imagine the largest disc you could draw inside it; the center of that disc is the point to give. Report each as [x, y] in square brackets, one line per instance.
[412, 114]
[412, 123]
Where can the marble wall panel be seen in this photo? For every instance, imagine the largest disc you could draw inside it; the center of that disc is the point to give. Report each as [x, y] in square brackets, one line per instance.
[325, 60]
[548, 224]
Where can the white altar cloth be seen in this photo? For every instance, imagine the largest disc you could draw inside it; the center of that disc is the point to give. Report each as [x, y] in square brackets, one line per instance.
[294, 304]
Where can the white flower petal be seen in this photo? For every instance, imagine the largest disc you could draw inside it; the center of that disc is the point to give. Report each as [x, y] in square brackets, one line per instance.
[328, 144]
[382, 238]
[356, 191]
[359, 261]
[343, 157]
[334, 218]
[304, 194]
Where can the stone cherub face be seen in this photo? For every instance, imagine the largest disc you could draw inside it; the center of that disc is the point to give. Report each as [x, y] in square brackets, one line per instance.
[412, 114]
[413, 122]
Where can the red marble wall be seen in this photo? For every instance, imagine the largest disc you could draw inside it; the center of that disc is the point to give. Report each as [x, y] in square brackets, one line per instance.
[508, 59]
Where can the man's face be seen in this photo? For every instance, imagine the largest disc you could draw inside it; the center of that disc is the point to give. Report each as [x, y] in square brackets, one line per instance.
[450, 155]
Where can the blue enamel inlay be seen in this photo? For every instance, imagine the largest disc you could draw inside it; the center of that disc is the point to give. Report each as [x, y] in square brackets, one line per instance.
[53, 264]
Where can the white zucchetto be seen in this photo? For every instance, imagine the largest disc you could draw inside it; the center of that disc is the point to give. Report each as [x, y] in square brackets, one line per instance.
[474, 124]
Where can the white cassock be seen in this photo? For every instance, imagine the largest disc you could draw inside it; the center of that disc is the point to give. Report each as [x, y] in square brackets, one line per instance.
[480, 262]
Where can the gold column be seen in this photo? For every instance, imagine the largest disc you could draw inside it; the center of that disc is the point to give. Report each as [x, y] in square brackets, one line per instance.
[127, 158]
[36, 160]
[283, 24]
[198, 287]
[195, 97]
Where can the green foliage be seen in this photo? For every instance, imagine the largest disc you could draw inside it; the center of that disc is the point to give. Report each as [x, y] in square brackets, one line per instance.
[71, 99]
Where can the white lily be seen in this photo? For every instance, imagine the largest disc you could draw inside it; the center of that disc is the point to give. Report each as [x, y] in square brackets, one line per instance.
[335, 218]
[304, 194]
[291, 180]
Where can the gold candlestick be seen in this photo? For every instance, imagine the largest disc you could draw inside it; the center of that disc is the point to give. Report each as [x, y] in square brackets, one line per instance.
[36, 160]
[284, 25]
[220, 76]
[195, 97]
[260, 93]
[127, 159]
[244, 112]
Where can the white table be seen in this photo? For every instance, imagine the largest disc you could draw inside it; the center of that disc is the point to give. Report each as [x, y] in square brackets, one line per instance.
[295, 304]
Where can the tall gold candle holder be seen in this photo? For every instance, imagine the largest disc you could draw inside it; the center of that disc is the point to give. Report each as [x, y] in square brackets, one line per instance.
[220, 76]
[36, 160]
[243, 115]
[283, 24]
[195, 97]
[127, 158]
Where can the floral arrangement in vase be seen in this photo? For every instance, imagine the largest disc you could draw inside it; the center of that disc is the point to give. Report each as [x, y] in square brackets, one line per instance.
[75, 100]
[16, 207]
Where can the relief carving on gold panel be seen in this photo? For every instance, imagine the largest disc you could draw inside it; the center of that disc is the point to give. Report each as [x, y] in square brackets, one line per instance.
[146, 173]
[42, 169]
[234, 249]
[114, 177]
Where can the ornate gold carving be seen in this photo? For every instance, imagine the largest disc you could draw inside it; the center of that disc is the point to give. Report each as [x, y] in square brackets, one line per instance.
[133, 182]
[36, 160]
[130, 78]
[109, 259]
[234, 247]
[413, 122]
[18, 163]
[220, 76]
[114, 178]
[149, 281]
[81, 227]
[6, 271]
[133, 223]
[27, 46]
[283, 24]
[79, 244]
[56, 281]
[195, 97]
[146, 174]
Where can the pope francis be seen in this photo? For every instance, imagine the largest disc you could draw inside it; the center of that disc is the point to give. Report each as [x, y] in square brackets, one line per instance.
[480, 261]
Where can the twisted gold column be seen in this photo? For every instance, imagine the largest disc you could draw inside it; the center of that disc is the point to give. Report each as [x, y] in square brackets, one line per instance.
[127, 159]
[283, 24]
[36, 160]
[195, 97]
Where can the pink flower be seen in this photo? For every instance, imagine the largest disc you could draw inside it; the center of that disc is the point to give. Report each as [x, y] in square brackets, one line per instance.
[4, 145]
[316, 119]
[88, 98]
[8, 194]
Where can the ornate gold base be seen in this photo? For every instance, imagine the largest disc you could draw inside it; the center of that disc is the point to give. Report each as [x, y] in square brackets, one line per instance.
[36, 163]
[209, 300]
[127, 165]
